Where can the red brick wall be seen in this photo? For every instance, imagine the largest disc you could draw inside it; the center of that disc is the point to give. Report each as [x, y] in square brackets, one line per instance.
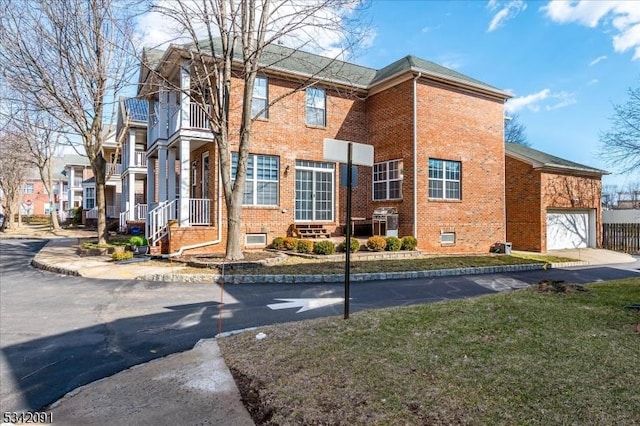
[525, 216]
[531, 193]
[560, 191]
[460, 126]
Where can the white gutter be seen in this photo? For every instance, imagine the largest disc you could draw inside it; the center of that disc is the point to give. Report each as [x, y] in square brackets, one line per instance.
[206, 243]
[415, 154]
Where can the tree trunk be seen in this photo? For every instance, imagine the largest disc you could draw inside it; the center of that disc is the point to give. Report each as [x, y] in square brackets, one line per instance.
[102, 212]
[234, 240]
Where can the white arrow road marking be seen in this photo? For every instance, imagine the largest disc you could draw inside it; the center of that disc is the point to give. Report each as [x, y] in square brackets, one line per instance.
[305, 304]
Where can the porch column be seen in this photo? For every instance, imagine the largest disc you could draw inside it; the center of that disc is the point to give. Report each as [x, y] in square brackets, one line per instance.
[171, 169]
[162, 173]
[61, 211]
[131, 196]
[163, 112]
[185, 184]
[185, 85]
[70, 191]
[151, 183]
[131, 149]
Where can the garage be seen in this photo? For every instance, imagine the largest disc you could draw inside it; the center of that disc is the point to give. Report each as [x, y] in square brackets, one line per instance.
[570, 229]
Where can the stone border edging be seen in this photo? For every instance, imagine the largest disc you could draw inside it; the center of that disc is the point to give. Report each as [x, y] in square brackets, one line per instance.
[56, 269]
[337, 278]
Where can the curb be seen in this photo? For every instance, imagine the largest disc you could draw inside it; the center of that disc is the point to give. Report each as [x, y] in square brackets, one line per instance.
[56, 269]
[338, 278]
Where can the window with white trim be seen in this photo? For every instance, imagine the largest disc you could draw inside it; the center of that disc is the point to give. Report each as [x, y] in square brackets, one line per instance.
[255, 239]
[260, 98]
[89, 198]
[447, 238]
[444, 179]
[261, 188]
[316, 107]
[387, 180]
[28, 188]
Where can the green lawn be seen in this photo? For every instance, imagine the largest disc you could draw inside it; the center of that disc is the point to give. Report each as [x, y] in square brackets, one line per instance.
[522, 357]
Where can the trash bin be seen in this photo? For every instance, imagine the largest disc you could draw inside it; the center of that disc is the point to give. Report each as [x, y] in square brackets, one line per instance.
[507, 248]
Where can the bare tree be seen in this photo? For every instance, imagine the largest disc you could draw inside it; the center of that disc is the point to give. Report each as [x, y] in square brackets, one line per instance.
[72, 59]
[514, 131]
[621, 144]
[229, 40]
[13, 163]
[609, 196]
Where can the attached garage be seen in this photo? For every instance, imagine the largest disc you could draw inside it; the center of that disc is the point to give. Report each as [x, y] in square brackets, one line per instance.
[568, 229]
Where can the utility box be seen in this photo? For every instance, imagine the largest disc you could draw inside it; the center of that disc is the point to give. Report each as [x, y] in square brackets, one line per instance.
[385, 221]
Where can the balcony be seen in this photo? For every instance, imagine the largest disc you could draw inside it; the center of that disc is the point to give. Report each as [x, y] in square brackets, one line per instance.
[113, 170]
[196, 122]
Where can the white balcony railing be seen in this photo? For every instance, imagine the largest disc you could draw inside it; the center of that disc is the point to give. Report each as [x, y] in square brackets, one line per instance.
[139, 213]
[114, 169]
[141, 159]
[199, 117]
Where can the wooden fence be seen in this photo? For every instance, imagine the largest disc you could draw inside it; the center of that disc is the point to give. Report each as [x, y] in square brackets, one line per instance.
[621, 237]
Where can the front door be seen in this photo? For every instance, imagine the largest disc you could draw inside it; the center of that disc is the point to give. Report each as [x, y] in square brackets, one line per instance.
[314, 191]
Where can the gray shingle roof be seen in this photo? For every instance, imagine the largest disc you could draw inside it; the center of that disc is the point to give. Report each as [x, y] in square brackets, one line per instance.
[297, 61]
[541, 159]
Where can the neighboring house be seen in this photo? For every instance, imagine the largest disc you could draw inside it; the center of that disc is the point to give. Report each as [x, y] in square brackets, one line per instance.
[76, 171]
[133, 114]
[551, 203]
[35, 199]
[437, 136]
[113, 185]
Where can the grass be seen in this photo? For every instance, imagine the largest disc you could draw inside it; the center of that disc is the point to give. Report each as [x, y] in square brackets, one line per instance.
[523, 357]
[543, 257]
[304, 266]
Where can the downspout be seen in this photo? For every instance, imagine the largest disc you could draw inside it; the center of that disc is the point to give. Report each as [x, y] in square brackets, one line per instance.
[415, 154]
[206, 243]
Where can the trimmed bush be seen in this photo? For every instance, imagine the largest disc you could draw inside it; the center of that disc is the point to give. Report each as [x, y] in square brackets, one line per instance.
[376, 243]
[278, 243]
[304, 246]
[138, 240]
[354, 246]
[408, 243]
[393, 243]
[324, 247]
[290, 243]
[121, 255]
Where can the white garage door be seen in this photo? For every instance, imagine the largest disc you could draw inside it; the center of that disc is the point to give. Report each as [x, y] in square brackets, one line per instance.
[567, 230]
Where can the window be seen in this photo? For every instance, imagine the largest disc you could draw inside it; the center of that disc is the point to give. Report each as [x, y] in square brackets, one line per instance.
[387, 180]
[90, 198]
[255, 239]
[444, 179]
[316, 107]
[194, 178]
[447, 238]
[260, 98]
[261, 188]
[28, 188]
[205, 174]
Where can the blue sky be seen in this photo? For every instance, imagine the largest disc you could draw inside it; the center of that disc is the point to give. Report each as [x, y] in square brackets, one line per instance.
[566, 64]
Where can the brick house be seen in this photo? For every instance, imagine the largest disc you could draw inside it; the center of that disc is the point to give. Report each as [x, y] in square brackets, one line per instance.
[437, 135]
[551, 203]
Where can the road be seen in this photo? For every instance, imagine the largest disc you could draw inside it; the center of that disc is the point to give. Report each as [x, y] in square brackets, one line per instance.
[58, 333]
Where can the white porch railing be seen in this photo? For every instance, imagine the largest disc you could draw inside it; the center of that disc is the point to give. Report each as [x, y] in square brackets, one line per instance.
[139, 213]
[199, 211]
[114, 169]
[112, 211]
[158, 220]
[152, 134]
[199, 117]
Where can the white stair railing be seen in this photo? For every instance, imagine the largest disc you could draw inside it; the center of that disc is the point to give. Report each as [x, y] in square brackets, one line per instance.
[158, 220]
[140, 212]
[122, 220]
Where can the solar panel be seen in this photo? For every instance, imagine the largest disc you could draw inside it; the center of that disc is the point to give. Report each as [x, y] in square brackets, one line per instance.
[137, 109]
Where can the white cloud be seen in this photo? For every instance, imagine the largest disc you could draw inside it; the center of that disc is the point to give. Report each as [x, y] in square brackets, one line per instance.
[544, 99]
[596, 60]
[509, 10]
[623, 16]
[530, 101]
[563, 99]
[593, 81]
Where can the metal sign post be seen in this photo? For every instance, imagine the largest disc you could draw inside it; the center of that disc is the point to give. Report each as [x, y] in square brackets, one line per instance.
[351, 153]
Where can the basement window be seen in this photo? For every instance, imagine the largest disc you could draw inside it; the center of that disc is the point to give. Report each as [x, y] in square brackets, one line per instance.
[448, 238]
[255, 239]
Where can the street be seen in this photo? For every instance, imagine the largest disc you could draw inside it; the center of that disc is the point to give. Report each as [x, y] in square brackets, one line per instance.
[58, 332]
